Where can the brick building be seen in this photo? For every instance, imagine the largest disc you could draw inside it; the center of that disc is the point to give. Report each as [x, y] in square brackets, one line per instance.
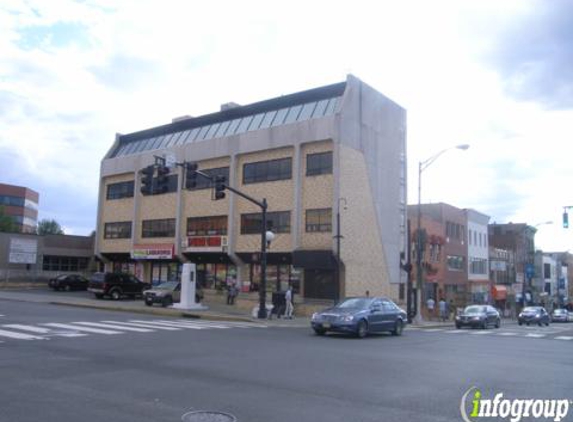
[338, 150]
[21, 204]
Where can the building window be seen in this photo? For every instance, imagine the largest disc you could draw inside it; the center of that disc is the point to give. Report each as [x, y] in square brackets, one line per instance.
[204, 183]
[278, 222]
[207, 226]
[319, 220]
[13, 201]
[478, 266]
[158, 228]
[119, 230]
[546, 271]
[120, 190]
[455, 262]
[267, 171]
[320, 163]
[64, 263]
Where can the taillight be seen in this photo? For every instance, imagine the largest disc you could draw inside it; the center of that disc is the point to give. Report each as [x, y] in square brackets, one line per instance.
[104, 286]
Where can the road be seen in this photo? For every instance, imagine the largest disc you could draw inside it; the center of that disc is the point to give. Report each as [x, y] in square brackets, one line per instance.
[118, 366]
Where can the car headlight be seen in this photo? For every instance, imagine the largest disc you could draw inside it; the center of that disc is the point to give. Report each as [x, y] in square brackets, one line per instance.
[520, 315]
[458, 318]
[347, 318]
[476, 318]
[315, 316]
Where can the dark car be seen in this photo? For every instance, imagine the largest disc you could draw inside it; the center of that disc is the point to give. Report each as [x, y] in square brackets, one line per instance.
[360, 316]
[116, 285]
[479, 316]
[560, 315]
[69, 282]
[168, 293]
[533, 315]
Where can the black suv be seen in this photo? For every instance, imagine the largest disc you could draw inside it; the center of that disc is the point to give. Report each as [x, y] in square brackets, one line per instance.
[116, 285]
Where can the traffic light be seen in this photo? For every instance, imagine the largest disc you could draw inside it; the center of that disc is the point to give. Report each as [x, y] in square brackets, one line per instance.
[220, 187]
[191, 175]
[565, 220]
[147, 180]
[162, 182]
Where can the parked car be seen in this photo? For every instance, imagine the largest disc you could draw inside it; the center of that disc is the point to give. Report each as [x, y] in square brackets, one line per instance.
[360, 316]
[533, 315]
[168, 293]
[69, 282]
[116, 285]
[478, 316]
[560, 315]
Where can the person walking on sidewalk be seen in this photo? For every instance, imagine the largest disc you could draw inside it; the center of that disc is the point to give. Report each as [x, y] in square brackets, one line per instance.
[231, 293]
[443, 310]
[289, 308]
[430, 305]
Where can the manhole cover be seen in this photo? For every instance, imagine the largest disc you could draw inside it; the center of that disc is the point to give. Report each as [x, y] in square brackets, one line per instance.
[208, 416]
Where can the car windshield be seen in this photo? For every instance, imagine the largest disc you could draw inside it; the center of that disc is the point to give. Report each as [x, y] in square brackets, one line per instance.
[355, 303]
[170, 285]
[559, 311]
[472, 310]
[532, 310]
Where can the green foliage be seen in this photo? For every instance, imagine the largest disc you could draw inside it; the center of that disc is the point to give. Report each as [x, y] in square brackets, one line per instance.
[7, 223]
[49, 227]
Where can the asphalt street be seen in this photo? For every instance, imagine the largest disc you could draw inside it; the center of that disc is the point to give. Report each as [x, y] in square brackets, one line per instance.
[62, 364]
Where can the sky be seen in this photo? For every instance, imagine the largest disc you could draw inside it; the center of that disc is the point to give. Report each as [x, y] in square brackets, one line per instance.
[497, 75]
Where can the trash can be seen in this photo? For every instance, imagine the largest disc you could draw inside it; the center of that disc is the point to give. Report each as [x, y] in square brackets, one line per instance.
[279, 303]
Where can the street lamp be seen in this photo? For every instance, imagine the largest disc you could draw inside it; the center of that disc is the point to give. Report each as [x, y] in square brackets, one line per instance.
[338, 237]
[423, 165]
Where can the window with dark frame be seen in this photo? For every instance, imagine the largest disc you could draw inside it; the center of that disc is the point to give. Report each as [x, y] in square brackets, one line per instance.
[117, 230]
[267, 171]
[207, 226]
[319, 220]
[278, 222]
[204, 183]
[64, 263]
[158, 228]
[320, 163]
[120, 190]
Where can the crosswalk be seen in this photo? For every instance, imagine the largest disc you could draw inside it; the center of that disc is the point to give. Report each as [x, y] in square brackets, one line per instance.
[49, 330]
[553, 334]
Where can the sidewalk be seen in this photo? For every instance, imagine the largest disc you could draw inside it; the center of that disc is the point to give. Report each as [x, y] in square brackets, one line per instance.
[215, 311]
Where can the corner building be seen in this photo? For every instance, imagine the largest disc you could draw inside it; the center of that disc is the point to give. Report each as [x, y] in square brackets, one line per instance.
[334, 151]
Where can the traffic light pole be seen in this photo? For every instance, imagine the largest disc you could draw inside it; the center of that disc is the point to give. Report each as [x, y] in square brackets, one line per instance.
[566, 216]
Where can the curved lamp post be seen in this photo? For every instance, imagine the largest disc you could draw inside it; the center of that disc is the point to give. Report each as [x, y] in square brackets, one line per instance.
[423, 165]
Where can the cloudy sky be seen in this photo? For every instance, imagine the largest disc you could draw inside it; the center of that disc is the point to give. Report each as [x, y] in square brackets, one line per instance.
[497, 75]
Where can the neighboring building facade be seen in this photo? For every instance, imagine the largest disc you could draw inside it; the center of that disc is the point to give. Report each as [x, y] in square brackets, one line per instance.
[314, 155]
[520, 239]
[21, 204]
[478, 258]
[502, 276]
[29, 257]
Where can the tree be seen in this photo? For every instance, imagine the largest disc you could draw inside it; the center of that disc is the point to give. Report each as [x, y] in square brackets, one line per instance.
[7, 223]
[49, 227]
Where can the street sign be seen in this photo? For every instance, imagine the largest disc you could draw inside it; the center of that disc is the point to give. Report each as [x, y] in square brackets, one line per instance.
[529, 270]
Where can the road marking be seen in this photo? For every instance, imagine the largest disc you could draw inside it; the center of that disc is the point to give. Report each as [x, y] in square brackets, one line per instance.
[116, 327]
[564, 338]
[507, 334]
[454, 331]
[477, 333]
[168, 324]
[433, 330]
[192, 325]
[80, 328]
[143, 325]
[40, 330]
[20, 336]
[531, 335]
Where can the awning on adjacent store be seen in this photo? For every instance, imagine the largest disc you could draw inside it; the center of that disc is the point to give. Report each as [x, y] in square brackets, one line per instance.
[499, 292]
[314, 260]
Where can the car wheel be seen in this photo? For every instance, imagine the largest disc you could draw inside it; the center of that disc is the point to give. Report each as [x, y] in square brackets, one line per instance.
[458, 326]
[149, 302]
[362, 329]
[115, 294]
[68, 288]
[547, 324]
[319, 331]
[520, 323]
[527, 323]
[398, 328]
[498, 323]
[166, 301]
[540, 323]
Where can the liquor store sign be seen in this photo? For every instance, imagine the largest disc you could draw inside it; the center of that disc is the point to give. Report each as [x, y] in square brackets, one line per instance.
[153, 251]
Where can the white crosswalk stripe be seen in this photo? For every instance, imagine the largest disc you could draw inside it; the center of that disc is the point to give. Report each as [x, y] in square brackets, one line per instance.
[143, 325]
[508, 334]
[477, 333]
[80, 328]
[533, 335]
[454, 332]
[19, 336]
[193, 325]
[174, 324]
[115, 327]
[41, 330]
[564, 338]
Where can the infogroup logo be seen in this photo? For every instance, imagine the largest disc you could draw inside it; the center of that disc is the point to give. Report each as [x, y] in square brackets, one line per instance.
[474, 407]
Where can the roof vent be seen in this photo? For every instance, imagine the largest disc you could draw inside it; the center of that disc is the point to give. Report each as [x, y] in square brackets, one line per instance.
[228, 106]
[181, 118]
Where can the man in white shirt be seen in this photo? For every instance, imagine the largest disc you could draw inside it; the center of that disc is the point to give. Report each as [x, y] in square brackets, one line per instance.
[430, 305]
[288, 303]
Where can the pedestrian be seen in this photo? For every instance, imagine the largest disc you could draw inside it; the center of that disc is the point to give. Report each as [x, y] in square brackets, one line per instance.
[367, 293]
[231, 293]
[289, 308]
[443, 310]
[430, 305]
[452, 309]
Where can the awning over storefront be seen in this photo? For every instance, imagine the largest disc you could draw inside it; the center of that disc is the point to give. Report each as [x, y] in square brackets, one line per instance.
[499, 292]
[273, 258]
[208, 257]
[117, 256]
[323, 260]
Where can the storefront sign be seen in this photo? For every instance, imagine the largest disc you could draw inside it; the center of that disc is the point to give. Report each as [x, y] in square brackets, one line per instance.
[23, 251]
[153, 251]
[206, 244]
[498, 265]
